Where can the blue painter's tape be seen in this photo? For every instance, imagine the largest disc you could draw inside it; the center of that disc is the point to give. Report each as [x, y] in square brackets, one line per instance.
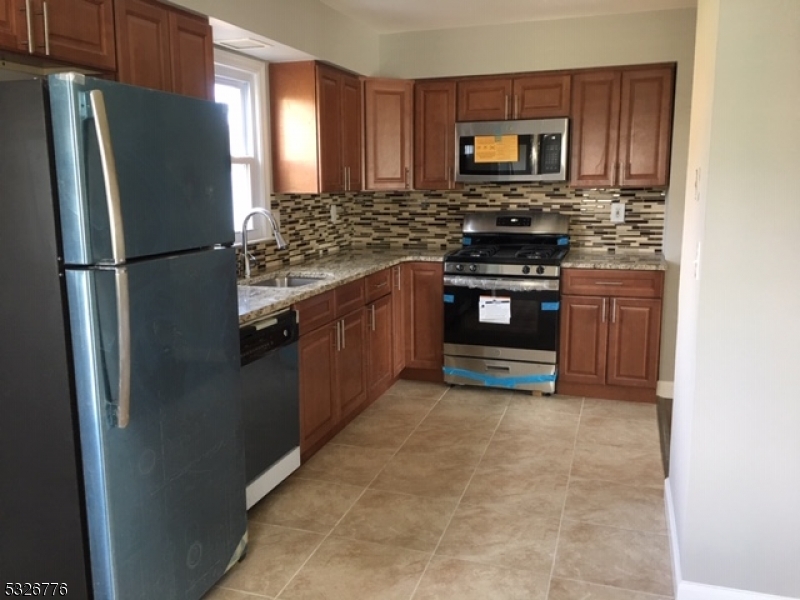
[563, 241]
[449, 298]
[494, 381]
[551, 305]
[466, 241]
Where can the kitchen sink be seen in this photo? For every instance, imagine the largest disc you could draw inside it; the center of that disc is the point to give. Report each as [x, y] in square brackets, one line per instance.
[287, 282]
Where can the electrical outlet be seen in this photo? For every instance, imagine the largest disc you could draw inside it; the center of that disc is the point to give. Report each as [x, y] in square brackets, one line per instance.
[617, 212]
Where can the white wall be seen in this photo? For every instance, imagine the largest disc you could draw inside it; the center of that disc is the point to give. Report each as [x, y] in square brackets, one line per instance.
[664, 36]
[735, 471]
[306, 25]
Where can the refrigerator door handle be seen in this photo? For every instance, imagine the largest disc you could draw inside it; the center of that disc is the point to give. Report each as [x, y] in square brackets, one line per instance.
[124, 339]
[109, 175]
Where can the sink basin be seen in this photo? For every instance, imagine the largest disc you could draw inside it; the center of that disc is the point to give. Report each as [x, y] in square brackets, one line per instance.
[287, 282]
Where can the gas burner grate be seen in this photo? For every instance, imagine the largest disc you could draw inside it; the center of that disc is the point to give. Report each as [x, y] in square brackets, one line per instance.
[535, 252]
[477, 252]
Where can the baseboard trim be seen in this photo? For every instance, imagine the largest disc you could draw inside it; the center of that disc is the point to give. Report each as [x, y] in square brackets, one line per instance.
[665, 389]
[690, 590]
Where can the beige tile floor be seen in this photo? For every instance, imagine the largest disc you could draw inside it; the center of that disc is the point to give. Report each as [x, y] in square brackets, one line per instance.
[468, 493]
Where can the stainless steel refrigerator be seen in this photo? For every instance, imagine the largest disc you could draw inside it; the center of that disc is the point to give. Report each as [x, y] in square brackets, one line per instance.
[121, 436]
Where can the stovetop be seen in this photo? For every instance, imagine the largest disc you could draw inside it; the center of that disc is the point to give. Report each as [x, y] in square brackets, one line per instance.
[511, 254]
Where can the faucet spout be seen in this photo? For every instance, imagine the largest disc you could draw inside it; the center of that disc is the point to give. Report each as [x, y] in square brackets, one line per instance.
[280, 243]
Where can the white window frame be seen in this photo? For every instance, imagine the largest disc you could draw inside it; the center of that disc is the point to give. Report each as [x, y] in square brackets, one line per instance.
[238, 68]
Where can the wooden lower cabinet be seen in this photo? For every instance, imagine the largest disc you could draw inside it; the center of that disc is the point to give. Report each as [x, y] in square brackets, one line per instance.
[399, 320]
[318, 414]
[610, 343]
[424, 331]
[351, 364]
[380, 356]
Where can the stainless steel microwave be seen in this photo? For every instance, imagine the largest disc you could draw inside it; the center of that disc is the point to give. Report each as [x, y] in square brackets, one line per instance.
[524, 150]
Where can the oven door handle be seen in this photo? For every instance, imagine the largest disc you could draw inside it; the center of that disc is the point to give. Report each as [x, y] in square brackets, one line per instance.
[512, 285]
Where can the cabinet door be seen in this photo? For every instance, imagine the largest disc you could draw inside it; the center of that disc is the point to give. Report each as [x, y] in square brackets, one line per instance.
[424, 316]
[191, 55]
[329, 114]
[595, 128]
[388, 114]
[13, 35]
[80, 32]
[143, 44]
[645, 127]
[584, 336]
[316, 355]
[351, 367]
[633, 344]
[434, 134]
[485, 99]
[541, 96]
[350, 92]
[379, 348]
[398, 323]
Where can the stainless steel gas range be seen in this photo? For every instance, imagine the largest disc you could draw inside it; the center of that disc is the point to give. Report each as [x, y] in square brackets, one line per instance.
[502, 300]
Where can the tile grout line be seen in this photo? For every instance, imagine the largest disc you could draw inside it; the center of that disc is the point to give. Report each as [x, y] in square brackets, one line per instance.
[364, 491]
[458, 504]
[613, 587]
[564, 504]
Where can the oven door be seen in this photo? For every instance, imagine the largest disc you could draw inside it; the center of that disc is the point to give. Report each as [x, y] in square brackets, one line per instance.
[501, 332]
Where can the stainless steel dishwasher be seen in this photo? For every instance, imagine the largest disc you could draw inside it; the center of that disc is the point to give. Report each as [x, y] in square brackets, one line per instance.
[270, 390]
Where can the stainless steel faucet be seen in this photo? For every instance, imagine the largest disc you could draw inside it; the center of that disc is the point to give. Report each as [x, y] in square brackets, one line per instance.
[280, 243]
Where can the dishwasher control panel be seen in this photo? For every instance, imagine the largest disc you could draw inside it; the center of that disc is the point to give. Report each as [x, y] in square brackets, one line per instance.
[264, 335]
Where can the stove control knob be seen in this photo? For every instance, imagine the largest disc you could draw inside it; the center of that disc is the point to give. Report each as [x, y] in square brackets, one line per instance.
[540, 270]
[459, 267]
[473, 268]
[526, 269]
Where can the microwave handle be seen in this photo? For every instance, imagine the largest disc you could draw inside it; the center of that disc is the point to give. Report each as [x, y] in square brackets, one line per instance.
[535, 153]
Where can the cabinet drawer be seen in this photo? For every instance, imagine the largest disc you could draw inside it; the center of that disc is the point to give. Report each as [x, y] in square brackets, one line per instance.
[349, 297]
[622, 283]
[315, 311]
[378, 284]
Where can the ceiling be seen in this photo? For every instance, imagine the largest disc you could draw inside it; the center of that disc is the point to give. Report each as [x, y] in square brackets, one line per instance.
[392, 16]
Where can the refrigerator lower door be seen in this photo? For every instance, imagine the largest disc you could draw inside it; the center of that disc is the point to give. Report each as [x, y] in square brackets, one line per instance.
[165, 495]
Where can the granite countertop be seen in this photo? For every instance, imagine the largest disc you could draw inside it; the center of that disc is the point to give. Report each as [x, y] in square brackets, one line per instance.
[589, 259]
[335, 270]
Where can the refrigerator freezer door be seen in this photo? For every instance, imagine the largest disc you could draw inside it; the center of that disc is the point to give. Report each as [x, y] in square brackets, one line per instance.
[172, 160]
[165, 496]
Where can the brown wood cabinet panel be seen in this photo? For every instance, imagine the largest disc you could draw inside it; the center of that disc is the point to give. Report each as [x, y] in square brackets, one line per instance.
[192, 55]
[349, 297]
[13, 34]
[329, 111]
[143, 50]
[485, 99]
[595, 128]
[351, 364]
[600, 282]
[434, 134]
[583, 339]
[378, 284]
[399, 322]
[645, 127]
[388, 131]
[351, 119]
[542, 96]
[424, 316]
[379, 346]
[315, 311]
[633, 342]
[79, 32]
[318, 411]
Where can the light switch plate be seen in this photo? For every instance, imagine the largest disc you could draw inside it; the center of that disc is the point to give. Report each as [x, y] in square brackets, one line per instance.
[617, 212]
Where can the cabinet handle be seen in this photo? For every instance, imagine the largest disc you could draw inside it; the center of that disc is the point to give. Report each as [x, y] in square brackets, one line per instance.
[46, 29]
[449, 178]
[338, 337]
[343, 334]
[516, 106]
[608, 283]
[603, 318]
[613, 310]
[397, 270]
[372, 316]
[406, 179]
[505, 112]
[29, 23]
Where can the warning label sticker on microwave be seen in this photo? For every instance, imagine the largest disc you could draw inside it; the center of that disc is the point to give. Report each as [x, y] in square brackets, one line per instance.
[494, 309]
[496, 148]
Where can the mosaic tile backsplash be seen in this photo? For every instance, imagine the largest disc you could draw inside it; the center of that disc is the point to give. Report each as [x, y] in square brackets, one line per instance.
[432, 220]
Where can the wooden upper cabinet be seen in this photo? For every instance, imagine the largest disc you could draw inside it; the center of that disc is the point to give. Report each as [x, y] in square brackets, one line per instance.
[434, 134]
[621, 127]
[645, 127]
[388, 131]
[164, 48]
[316, 128]
[525, 97]
[77, 32]
[191, 55]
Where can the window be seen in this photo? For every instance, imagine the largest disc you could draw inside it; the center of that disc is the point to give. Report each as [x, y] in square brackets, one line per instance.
[241, 84]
